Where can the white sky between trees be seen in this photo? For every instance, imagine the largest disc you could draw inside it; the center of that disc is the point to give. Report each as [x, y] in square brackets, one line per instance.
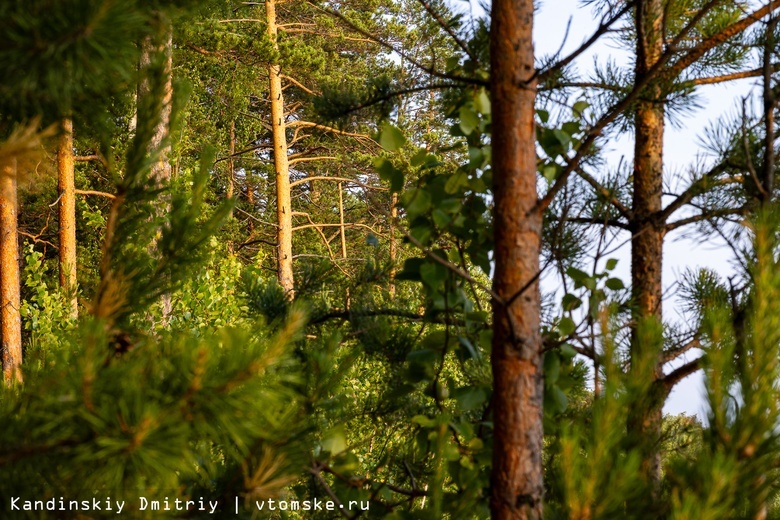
[682, 149]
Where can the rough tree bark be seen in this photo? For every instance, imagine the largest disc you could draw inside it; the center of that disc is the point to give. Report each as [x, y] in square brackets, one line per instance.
[281, 165]
[516, 480]
[67, 207]
[10, 319]
[647, 228]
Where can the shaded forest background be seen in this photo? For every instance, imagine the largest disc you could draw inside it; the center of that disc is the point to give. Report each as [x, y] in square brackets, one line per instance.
[292, 249]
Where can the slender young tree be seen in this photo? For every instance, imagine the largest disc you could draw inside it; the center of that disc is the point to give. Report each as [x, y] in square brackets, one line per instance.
[67, 212]
[647, 233]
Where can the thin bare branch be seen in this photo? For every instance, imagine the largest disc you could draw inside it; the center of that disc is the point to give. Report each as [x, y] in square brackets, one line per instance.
[673, 353]
[299, 85]
[336, 179]
[722, 36]
[309, 124]
[603, 27]
[311, 159]
[707, 215]
[96, 193]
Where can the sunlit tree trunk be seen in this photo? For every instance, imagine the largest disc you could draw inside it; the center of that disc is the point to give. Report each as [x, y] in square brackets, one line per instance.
[516, 480]
[67, 207]
[10, 319]
[281, 166]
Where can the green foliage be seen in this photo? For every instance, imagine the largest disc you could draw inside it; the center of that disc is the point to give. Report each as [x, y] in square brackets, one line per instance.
[47, 43]
[382, 394]
[205, 406]
[737, 460]
[45, 311]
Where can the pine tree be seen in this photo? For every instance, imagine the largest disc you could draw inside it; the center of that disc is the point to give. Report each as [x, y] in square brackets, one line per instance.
[67, 212]
[284, 255]
[517, 489]
[10, 320]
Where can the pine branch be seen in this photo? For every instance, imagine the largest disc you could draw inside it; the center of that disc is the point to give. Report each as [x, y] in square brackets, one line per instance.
[604, 192]
[594, 220]
[352, 225]
[444, 25]
[20, 453]
[723, 78]
[673, 353]
[707, 215]
[580, 84]
[97, 193]
[619, 108]
[696, 188]
[724, 35]
[405, 56]
[308, 124]
[299, 85]
[398, 93]
[677, 375]
[85, 158]
[322, 236]
[311, 159]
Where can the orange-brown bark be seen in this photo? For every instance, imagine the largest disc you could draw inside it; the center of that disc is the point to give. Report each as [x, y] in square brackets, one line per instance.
[67, 233]
[516, 480]
[281, 165]
[10, 319]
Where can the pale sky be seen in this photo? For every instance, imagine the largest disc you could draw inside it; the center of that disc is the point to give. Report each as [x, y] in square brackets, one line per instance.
[681, 147]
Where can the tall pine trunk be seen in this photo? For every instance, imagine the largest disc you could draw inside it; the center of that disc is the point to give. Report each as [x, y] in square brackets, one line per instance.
[67, 233]
[516, 480]
[10, 319]
[281, 165]
[648, 232]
